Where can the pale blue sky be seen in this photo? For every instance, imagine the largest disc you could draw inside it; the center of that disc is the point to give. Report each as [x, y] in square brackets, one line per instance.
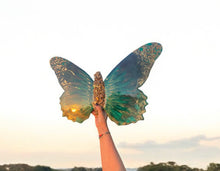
[182, 122]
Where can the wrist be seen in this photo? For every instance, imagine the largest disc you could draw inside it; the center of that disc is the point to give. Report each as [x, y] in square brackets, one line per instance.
[100, 135]
[103, 129]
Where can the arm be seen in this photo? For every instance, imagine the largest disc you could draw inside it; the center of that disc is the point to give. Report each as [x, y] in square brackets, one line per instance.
[111, 159]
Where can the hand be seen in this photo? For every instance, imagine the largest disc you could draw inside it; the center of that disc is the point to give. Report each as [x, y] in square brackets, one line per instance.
[100, 119]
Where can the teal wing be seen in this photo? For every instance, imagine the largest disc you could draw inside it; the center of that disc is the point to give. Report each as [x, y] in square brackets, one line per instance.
[125, 103]
[76, 101]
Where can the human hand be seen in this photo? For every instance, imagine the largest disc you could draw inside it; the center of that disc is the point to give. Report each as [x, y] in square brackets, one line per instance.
[100, 119]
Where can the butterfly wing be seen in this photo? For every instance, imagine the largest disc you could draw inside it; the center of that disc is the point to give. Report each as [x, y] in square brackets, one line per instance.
[76, 101]
[125, 103]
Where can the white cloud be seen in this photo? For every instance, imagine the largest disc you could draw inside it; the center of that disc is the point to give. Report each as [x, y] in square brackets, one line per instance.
[185, 151]
[187, 143]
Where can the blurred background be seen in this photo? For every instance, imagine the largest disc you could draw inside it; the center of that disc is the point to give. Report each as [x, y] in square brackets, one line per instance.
[182, 120]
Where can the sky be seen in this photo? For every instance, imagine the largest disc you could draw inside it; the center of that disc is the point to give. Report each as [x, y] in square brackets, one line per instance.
[182, 119]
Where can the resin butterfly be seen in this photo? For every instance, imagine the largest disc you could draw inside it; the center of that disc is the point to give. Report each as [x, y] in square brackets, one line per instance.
[119, 95]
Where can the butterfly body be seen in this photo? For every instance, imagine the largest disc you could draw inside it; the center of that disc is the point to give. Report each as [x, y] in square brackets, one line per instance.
[98, 90]
[118, 94]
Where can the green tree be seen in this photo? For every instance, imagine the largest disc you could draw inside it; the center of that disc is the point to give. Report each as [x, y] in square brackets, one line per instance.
[42, 168]
[172, 163]
[169, 166]
[79, 169]
[185, 168]
[213, 167]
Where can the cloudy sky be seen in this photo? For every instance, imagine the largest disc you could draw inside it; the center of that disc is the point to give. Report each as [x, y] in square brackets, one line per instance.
[182, 122]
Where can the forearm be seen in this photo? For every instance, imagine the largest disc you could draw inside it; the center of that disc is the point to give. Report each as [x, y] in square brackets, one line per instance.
[111, 160]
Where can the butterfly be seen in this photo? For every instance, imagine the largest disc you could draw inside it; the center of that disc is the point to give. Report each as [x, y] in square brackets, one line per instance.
[118, 94]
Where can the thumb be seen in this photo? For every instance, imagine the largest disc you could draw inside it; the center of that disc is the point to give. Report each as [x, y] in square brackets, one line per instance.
[98, 108]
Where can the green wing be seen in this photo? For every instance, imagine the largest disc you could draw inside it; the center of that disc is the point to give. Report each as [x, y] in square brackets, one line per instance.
[76, 101]
[125, 103]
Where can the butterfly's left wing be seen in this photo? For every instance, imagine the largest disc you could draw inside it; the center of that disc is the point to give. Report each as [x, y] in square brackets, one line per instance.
[76, 101]
[125, 103]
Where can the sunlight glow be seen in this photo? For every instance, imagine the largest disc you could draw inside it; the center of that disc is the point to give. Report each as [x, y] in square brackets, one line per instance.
[73, 110]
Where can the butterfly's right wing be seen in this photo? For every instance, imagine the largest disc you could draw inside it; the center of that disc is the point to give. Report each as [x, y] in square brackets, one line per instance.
[76, 101]
[124, 102]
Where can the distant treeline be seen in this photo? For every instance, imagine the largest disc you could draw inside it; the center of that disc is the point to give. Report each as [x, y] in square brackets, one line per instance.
[172, 166]
[169, 166]
[25, 167]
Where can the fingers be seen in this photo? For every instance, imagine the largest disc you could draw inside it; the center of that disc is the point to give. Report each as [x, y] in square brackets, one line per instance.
[94, 113]
[98, 111]
[98, 108]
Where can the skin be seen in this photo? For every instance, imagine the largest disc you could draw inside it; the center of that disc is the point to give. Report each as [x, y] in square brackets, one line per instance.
[111, 160]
